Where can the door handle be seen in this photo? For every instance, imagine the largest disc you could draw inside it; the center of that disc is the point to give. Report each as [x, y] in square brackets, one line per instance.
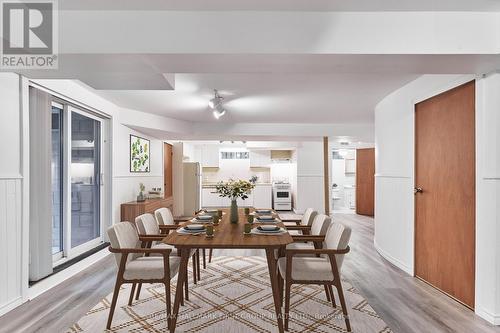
[417, 190]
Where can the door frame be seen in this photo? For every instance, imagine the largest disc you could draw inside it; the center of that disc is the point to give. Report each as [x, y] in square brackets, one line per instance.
[462, 80]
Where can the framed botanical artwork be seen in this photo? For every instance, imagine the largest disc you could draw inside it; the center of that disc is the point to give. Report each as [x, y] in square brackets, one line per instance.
[139, 154]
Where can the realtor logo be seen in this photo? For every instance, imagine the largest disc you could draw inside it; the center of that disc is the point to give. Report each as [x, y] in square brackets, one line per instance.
[29, 35]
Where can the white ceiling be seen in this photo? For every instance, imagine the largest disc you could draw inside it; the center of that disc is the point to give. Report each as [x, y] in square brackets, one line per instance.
[268, 97]
[285, 5]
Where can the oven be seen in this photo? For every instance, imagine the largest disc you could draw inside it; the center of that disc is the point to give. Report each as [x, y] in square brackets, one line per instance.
[282, 196]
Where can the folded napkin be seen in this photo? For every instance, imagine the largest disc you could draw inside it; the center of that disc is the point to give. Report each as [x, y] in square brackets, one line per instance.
[266, 217]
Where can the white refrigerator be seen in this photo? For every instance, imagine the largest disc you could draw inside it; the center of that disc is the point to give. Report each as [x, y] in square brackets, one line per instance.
[192, 187]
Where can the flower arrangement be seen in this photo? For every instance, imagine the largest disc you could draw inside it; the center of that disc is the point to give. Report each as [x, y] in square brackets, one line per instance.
[235, 189]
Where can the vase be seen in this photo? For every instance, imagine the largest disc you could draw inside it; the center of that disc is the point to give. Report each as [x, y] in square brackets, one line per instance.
[140, 197]
[234, 212]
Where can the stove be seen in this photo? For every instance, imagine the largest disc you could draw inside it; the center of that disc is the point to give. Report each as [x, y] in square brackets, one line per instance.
[282, 196]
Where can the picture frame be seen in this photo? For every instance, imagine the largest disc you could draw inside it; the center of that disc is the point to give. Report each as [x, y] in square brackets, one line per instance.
[140, 154]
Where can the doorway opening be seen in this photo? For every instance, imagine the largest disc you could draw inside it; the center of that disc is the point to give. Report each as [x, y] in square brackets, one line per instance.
[343, 188]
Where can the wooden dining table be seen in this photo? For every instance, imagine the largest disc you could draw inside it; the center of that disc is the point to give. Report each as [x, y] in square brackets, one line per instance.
[229, 235]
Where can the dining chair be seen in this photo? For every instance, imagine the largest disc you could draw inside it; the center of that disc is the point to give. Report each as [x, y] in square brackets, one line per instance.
[306, 220]
[134, 267]
[166, 220]
[150, 232]
[322, 266]
[312, 238]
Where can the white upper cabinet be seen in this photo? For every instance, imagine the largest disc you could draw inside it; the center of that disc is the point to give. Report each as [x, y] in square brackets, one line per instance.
[260, 158]
[210, 156]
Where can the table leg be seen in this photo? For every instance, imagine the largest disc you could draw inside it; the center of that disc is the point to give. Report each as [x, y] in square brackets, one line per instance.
[181, 279]
[271, 263]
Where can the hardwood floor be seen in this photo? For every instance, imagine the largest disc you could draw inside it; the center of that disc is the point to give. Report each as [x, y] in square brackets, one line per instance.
[406, 304]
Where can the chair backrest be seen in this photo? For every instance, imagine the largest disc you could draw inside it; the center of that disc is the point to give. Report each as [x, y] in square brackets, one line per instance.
[164, 216]
[147, 225]
[337, 238]
[123, 235]
[308, 217]
[320, 224]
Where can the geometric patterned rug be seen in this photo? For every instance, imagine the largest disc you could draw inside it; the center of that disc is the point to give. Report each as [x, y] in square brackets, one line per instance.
[234, 295]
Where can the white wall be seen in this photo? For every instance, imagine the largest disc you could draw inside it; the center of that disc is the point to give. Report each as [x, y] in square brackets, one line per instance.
[126, 183]
[11, 180]
[394, 182]
[309, 192]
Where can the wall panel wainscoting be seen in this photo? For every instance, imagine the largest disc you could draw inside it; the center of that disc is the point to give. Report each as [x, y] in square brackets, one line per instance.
[10, 244]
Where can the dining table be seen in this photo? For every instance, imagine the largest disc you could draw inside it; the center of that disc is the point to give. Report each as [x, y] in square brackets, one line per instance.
[228, 235]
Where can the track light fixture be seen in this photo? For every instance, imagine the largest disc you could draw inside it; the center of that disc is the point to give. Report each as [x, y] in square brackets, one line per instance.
[216, 104]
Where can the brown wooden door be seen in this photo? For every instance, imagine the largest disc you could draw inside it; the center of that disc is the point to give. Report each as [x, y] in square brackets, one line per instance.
[365, 181]
[167, 165]
[445, 209]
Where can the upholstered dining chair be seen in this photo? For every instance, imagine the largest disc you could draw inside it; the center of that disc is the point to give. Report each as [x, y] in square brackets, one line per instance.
[312, 239]
[149, 231]
[167, 222]
[313, 269]
[134, 267]
[306, 220]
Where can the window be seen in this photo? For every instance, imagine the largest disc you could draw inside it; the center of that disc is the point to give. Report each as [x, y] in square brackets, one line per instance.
[235, 155]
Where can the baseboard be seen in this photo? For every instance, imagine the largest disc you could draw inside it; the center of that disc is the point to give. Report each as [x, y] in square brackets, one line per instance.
[11, 305]
[488, 316]
[57, 278]
[393, 260]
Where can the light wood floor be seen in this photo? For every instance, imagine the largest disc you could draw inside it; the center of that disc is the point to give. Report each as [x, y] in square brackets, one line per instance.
[406, 304]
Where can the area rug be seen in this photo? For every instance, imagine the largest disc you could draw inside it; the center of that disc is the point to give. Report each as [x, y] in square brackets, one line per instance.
[234, 295]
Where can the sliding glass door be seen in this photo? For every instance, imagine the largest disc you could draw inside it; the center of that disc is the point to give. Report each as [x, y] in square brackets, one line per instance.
[85, 178]
[57, 166]
[77, 171]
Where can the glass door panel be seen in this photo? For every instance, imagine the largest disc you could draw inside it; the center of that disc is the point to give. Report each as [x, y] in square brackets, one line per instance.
[57, 179]
[85, 179]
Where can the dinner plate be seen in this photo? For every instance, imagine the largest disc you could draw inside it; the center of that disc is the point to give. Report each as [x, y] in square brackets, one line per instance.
[258, 220]
[263, 211]
[266, 217]
[204, 217]
[268, 228]
[194, 227]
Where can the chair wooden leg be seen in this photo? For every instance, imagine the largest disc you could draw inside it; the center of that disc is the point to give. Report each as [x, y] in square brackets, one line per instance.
[113, 303]
[169, 303]
[194, 268]
[288, 286]
[198, 267]
[132, 292]
[344, 306]
[327, 292]
[210, 255]
[186, 288]
[332, 295]
[138, 291]
[204, 259]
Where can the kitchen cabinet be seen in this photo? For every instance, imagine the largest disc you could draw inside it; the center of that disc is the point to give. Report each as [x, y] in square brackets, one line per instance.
[209, 198]
[260, 158]
[262, 196]
[210, 156]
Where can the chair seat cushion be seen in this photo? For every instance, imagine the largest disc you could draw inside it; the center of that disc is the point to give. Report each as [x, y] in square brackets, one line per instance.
[300, 246]
[163, 246]
[295, 232]
[149, 268]
[307, 269]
